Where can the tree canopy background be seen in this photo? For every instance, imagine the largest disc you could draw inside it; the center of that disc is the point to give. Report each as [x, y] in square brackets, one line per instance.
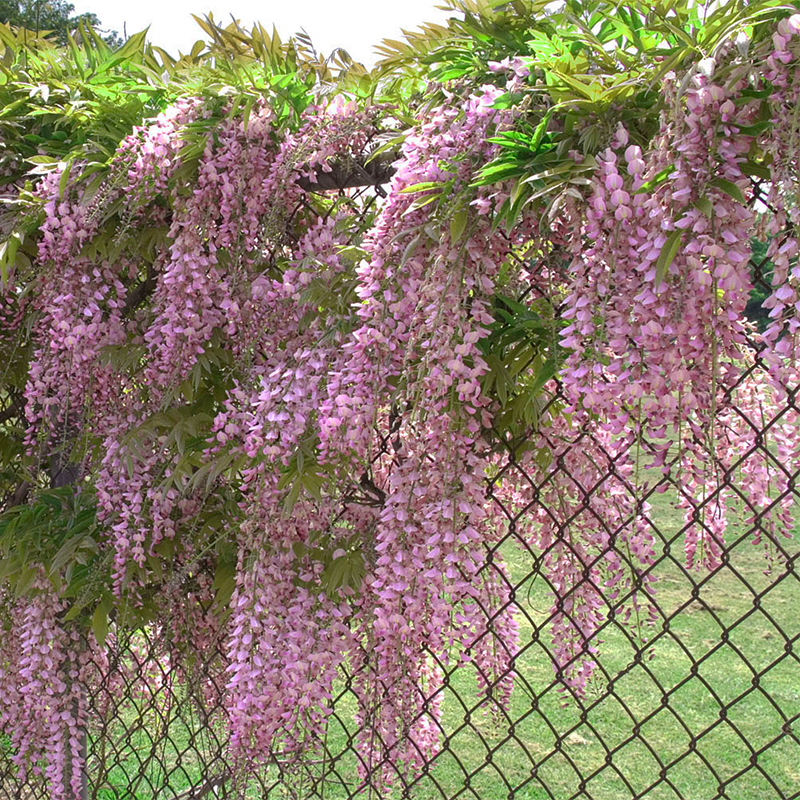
[57, 16]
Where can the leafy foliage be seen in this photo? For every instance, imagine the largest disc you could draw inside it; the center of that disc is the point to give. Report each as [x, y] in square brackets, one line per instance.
[589, 67]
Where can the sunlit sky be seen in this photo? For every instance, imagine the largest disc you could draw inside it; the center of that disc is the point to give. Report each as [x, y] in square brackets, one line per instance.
[355, 25]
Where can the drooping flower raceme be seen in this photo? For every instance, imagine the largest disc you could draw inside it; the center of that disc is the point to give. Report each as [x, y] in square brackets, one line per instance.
[310, 369]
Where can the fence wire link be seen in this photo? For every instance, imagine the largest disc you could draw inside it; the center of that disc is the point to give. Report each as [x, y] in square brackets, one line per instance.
[706, 709]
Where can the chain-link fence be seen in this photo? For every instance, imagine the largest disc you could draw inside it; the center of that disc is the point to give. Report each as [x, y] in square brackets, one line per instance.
[707, 707]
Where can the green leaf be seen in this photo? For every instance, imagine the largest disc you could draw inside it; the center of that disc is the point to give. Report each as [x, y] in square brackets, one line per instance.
[591, 91]
[8, 253]
[391, 144]
[421, 187]
[313, 484]
[656, 180]
[730, 188]
[248, 108]
[567, 166]
[511, 139]
[421, 202]
[540, 130]
[100, 619]
[547, 371]
[292, 497]
[458, 222]
[507, 100]
[496, 171]
[759, 170]
[71, 553]
[755, 129]
[64, 179]
[757, 94]
[133, 44]
[667, 255]
[706, 206]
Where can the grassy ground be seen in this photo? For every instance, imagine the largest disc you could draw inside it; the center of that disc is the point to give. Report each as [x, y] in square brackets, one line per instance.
[674, 695]
[727, 645]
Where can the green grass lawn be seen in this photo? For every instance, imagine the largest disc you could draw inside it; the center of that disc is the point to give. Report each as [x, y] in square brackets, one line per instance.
[546, 748]
[567, 747]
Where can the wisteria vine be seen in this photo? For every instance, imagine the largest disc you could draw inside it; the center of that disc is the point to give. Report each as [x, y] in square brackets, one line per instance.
[311, 368]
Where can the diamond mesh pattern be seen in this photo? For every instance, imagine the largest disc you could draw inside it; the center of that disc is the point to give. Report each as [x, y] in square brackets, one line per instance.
[707, 709]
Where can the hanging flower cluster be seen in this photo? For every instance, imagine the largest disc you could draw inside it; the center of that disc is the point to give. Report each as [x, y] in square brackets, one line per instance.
[313, 366]
[43, 705]
[424, 309]
[658, 375]
[658, 297]
[418, 513]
